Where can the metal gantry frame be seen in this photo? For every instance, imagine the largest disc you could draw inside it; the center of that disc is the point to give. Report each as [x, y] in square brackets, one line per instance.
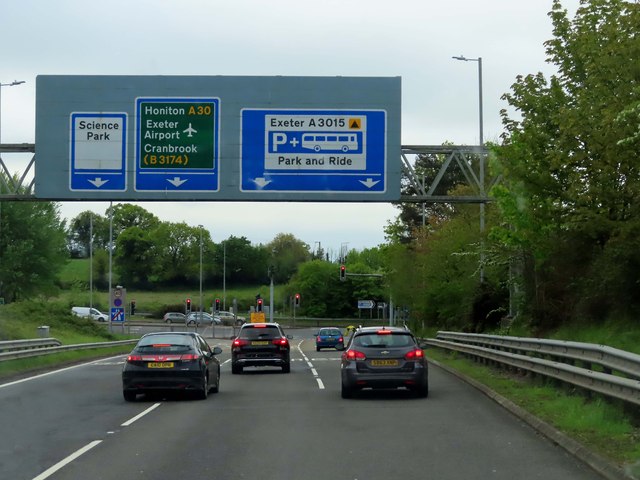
[21, 186]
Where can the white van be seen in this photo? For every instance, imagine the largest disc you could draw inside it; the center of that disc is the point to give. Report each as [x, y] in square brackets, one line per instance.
[92, 313]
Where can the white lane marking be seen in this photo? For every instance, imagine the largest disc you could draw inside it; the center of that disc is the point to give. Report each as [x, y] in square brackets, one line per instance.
[55, 371]
[226, 361]
[139, 416]
[47, 473]
[313, 370]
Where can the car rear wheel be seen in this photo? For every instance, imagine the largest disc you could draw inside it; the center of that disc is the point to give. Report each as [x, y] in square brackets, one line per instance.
[204, 392]
[423, 390]
[317, 349]
[286, 368]
[129, 396]
[235, 369]
[346, 392]
[216, 388]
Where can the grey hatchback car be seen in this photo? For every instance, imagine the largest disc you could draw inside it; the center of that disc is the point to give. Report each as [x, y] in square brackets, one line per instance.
[384, 357]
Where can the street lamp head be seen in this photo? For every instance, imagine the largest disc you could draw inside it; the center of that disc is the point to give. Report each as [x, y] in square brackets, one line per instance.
[465, 59]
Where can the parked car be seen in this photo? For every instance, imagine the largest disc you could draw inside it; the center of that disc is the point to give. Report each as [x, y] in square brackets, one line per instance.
[260, 344]
[384, 357]
[174, 317]
[92, 313]
[164, 361]
[329, 337]
[202, 318]
[229, 318]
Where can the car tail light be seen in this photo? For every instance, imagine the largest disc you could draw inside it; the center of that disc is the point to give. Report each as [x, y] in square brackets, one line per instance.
[416, 354]
[134, 358]
[190, 357]
[384, 332]
[354, 355]
[341, 340]
[238, 342]
[281, 342]
[318, 339]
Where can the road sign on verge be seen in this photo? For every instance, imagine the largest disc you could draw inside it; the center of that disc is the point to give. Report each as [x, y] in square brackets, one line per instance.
[117, 315]
[177, 144]
[365, 304]
[341, 151]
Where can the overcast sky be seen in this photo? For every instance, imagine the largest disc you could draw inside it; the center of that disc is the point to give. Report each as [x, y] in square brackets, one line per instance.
[413, 39]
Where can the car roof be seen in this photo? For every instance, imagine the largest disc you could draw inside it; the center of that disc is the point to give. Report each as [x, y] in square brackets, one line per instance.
[261, 325]
[186, 334]
[362, 330]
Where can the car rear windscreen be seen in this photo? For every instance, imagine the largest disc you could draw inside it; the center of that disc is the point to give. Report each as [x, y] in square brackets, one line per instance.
[383, 341]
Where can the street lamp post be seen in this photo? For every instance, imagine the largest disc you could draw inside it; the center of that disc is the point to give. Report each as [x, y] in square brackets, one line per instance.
[481, 142]
[12, 84]
[201, 227]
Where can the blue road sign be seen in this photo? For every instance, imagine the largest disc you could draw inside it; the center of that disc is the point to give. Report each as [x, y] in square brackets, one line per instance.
[177, 144]
[117, 314]
[321, 150]
[98, 152]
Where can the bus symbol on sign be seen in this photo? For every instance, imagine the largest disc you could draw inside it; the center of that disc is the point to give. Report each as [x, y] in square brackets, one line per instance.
[330, 142]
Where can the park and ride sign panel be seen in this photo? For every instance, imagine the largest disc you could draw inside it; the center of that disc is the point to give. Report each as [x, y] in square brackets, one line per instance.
[217, 138]
[314, 151]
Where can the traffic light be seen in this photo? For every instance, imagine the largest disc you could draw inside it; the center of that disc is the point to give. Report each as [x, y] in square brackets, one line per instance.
[259, 306]
[296, 301]
[133, 307]
[217, 304]
[188, 304]
[343, 273]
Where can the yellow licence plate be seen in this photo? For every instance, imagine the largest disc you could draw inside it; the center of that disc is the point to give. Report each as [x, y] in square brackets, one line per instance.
[261, 342]
[160, 364]
[384, 363]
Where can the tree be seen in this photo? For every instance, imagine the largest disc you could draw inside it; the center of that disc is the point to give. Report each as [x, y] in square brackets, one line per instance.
[126, 215]
[241, 261]
[570, 168]
[32, 249]
[134, 256]
[287, 253]
[323, 294]
[79, 233]
[175, 257]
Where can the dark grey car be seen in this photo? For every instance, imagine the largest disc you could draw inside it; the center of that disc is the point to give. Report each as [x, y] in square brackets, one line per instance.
[176, 361]
[384, 357]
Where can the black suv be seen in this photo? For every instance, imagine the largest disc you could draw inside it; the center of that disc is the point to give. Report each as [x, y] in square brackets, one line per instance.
[260, 344]
[384, 357]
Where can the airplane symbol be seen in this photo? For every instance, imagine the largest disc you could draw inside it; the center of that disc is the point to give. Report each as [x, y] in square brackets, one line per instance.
[190, 130]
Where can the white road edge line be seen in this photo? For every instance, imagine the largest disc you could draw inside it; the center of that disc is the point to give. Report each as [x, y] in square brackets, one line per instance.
[47, 473]
[313, 370]
[140, 415]
[57, 371]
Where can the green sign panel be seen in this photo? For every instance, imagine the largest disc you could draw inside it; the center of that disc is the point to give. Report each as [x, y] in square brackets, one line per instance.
[177, 134]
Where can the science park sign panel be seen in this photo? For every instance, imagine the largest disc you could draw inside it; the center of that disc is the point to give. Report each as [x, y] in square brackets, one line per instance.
[218, 138]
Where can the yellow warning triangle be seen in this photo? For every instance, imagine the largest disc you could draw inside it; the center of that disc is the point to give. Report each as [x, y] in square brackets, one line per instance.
[355, 123]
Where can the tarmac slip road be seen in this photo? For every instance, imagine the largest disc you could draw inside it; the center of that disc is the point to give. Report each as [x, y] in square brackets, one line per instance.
[74, 424]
